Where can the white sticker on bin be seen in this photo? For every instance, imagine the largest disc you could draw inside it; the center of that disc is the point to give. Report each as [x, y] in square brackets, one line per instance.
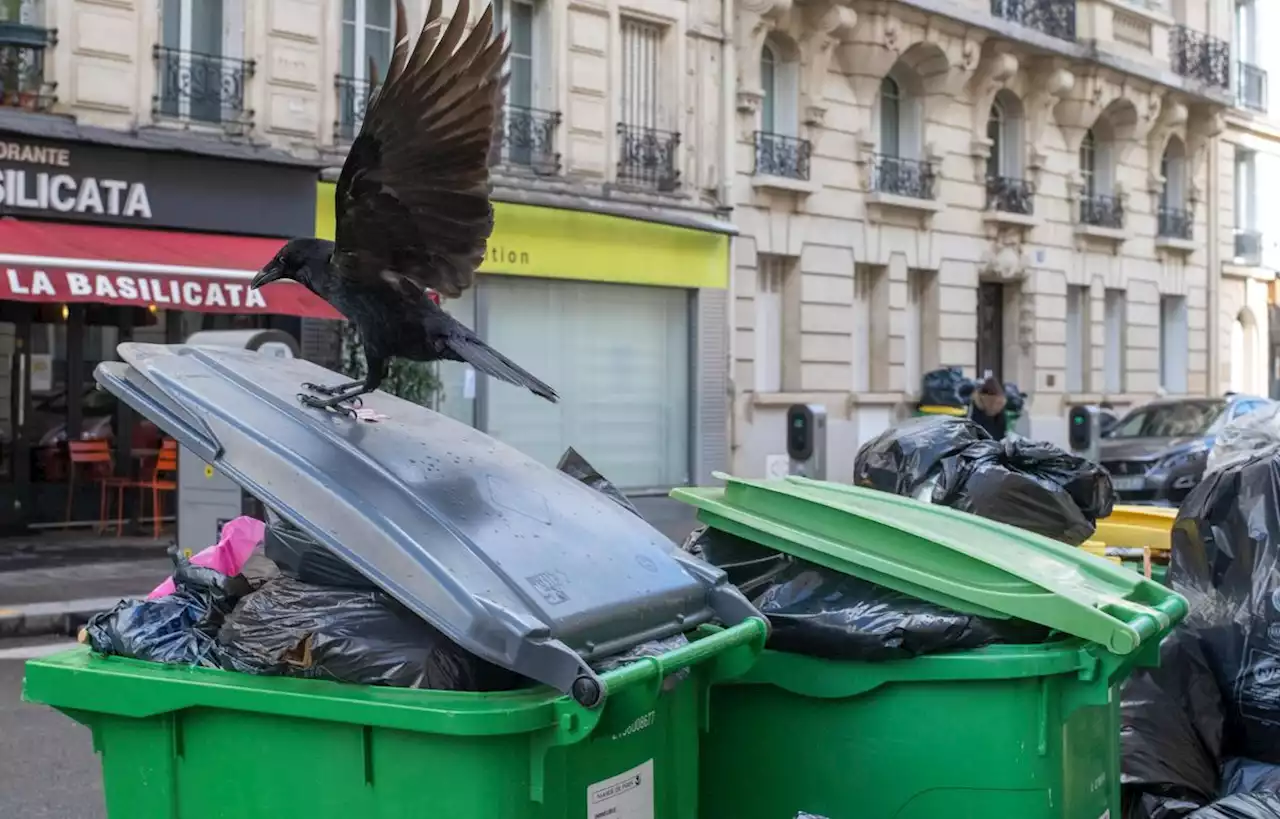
[629, 795]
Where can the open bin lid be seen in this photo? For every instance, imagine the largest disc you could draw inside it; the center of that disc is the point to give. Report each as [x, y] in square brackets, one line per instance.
[516, 562]
[964, 562]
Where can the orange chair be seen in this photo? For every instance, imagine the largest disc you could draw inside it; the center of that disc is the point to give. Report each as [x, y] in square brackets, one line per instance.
[96, 459]
[164, 478]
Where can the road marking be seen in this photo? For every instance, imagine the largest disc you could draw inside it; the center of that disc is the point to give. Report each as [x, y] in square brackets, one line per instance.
[37, 651]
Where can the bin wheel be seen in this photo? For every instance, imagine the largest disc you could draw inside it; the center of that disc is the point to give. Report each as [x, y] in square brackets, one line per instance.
[586, 692]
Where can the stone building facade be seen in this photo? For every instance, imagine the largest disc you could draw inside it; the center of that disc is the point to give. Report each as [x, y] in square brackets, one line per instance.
[1016, 188]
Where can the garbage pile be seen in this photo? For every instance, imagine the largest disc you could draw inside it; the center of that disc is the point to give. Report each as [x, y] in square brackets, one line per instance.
[1201, 733]
[823, 613]
[953, 462]
[268, 600]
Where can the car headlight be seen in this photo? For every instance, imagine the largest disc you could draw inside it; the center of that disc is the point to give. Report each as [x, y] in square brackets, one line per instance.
[1180, 460]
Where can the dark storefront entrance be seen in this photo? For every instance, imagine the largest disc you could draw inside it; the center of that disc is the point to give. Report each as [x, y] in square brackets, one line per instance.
[102, 244]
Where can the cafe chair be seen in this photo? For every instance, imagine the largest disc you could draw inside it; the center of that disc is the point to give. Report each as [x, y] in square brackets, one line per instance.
[164, 478]
[94, 458]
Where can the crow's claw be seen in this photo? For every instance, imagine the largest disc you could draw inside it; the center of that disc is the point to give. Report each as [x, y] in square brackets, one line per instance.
[320, 388]
[320, 403]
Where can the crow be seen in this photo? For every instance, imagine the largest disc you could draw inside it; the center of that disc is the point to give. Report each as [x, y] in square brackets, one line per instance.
[412, 208]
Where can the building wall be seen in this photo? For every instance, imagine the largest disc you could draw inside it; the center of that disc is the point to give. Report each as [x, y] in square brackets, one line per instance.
[839, 327]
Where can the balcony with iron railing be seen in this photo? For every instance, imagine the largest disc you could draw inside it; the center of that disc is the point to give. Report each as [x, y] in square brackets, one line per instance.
[1248, 247]
[1251, 87]
[1008, 195]
[782, 156]
[526, 140]
[1056, 18]
[353, 98]
[23, 52]
[1196, 55]
[647, 157]
[894, 175]
[1101, 211]
[1173, 223]
[201, 88]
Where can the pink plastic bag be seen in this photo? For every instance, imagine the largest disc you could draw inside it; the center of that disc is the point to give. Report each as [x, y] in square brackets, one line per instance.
[228, 555]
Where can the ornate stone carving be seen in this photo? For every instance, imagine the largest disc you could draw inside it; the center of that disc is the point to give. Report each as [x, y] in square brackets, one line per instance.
[1050, 83]
[1203, 124]
[876, 44]
[756, 18]
[1005, 259]
[997, 67]
[1171, 120]
[826, 26]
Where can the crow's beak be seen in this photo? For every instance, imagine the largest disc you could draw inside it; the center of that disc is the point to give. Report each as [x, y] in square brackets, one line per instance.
[266, 275]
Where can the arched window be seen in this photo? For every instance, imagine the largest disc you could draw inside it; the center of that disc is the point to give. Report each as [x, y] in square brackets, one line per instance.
[890, 117]
[768, 84]
[1089, 164]
[1173, 168]
[995, 133]
[780, 83]
[1004, 129]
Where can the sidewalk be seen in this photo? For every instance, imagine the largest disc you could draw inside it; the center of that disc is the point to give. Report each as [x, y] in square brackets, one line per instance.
[59, 599]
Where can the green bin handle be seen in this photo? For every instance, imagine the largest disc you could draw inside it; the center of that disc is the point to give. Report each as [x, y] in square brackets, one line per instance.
[732, 652]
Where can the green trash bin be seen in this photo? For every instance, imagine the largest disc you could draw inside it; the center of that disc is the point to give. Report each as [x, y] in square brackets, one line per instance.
[515, 562]
[1006, 731]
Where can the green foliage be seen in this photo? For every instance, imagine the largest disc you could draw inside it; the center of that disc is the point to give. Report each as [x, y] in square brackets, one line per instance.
[411, 380]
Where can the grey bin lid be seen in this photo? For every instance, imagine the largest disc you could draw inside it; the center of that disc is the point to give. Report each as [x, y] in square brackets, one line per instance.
[514, 561]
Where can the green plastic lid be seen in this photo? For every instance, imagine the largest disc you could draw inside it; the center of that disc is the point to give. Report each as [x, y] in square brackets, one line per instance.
[950, 558]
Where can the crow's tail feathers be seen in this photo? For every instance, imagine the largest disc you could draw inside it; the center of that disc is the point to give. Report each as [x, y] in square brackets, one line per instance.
[491, 362]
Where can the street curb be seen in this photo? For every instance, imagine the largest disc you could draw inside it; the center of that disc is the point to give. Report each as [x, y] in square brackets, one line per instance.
[63, 618]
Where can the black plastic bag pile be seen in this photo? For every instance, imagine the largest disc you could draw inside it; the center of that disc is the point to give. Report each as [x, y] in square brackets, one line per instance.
[953, 462]
[822, 613]
[946, 387]
[304, 612]
[1205, 726]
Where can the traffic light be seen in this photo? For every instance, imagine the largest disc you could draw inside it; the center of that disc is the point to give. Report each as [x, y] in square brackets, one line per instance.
[1083, 430]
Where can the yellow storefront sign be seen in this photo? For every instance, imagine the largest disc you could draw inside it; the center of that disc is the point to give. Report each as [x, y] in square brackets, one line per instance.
[565, 244]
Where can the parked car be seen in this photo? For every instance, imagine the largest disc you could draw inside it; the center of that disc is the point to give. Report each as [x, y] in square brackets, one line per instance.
[98, 409]
[1156, 453]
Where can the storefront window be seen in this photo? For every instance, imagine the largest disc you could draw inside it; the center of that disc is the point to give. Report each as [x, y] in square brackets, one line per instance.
[457, 395]
[618, 355]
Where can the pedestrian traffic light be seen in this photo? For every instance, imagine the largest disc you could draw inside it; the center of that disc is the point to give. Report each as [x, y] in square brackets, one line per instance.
[807, 440]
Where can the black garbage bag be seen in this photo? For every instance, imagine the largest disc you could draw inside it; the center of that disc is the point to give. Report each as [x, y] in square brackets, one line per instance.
[1032, 485]
[178, 628]
[954, 462]
[822, 613]
[576, 466]
[1240, 775]
[1014, 399]
[942, 387]
[1171, 725]
[1226, 561]
[1260, 805]
[299, 556]
[903, 458]
[295, 629]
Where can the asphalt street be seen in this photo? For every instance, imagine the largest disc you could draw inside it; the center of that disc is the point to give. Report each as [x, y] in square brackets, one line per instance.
[47, 766]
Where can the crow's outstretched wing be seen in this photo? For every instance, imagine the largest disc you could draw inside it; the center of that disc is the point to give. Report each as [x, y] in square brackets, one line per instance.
[413, 196]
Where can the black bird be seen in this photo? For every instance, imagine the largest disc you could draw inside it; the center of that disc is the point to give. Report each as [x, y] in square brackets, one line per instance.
[412, 207]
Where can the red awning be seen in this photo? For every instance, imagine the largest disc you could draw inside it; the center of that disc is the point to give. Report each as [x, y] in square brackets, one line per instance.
[204, 273]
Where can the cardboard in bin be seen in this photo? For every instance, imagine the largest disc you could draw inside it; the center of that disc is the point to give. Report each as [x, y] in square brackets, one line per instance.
[950, 558]
[514, 561]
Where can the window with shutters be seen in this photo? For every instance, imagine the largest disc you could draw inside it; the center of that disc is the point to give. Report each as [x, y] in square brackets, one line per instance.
[647, 144]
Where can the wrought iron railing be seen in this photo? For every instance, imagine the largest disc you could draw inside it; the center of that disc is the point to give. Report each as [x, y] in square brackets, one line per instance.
[22, 56]
[647, 157]
[902, 177]
[353, 99]
[1056, 18]
[1102, 211]
[1198, 56]
[1173, 223]
[527, 139]
[199, 87]
[1010, 195]
[784, 156]
[1248, 250]
[1251, 87]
